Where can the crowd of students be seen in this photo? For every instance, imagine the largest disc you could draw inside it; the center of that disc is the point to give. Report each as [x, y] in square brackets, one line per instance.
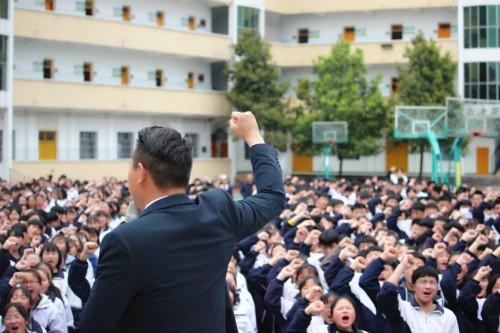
[382, 255]
[376, 256]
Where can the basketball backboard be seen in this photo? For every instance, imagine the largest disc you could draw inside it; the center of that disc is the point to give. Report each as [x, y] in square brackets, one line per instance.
[473, 116]
[330, 132]
[413, 122]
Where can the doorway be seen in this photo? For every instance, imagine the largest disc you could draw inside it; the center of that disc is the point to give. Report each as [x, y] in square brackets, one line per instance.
[482, 161]
[47, 147]
[349, 34]
[192, 23]
[124, 75]
[49, 5]
[397, 156]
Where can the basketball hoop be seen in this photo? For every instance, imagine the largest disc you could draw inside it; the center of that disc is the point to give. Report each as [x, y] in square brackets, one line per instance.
[330, 141]
[476, 133]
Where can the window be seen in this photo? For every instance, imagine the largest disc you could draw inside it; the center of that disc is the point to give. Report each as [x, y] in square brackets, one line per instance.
[159, 77]
[395, 85]
[160, 18]
[248, 19]
[124, 75]
[125, 142]
[190, 80]
[444, 30]
[3, 62]
[49, 5]
[482, 80]
[396, 32]
[4, 9]
[48, 68]
[126, 15]
[87, 71]
[482, 26]
[303, 36]
[192, 23]
[89, 7]
[88, 145]
[193, 139]
[349, 34]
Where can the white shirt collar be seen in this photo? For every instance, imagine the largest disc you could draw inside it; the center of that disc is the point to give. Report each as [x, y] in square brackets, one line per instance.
[155, 200]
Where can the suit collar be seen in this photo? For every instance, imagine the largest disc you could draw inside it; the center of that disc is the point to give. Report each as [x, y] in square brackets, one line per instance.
[171, 200]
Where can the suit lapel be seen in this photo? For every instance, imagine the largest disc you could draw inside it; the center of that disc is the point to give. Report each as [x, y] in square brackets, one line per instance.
[170, 201]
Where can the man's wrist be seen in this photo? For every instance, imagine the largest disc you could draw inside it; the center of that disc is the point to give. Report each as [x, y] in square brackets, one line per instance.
[254, 140]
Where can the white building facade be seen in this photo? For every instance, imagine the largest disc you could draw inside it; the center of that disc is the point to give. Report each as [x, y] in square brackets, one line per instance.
[87, 75]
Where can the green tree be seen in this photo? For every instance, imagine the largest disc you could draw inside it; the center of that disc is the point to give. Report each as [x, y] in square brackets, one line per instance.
[341, 92]
[255, 85]
[427, 79]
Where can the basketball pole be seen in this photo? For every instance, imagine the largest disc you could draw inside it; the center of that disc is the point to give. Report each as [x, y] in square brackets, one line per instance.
[327, 151]
[457, 157]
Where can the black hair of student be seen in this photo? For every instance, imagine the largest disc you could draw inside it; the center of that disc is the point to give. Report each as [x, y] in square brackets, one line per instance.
[19, 308]
[37, 224]
[15, 231]
[60, 235]
[307, 266]
[424, 271]
[89, 230]
[392, 262]
[272, 246]
[491, 284]
[303, 282]
[24, 291]
[374, 248]
[52, 290]
[418, 255]
[35, 273]
[330, 295]
[350, 300]
[329, 237]
[165, 154]
[367, 239]
[51, 247]
[478, 192]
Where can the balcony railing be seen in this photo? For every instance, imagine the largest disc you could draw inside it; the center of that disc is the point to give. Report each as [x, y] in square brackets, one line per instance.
[54, 26]
[291, 7]
[149, 21]
[390, 52]
[134, 80]
[86, 96]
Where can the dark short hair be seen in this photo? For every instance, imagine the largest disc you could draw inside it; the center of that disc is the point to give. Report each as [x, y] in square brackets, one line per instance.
[36, 224]
[51, 247]
[165, 154]
[329, 237]
[24, 291]
[303, 281]
[424, 271]
[19, 308]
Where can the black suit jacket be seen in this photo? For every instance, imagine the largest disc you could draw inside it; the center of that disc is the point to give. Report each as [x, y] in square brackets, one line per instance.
[165, 272]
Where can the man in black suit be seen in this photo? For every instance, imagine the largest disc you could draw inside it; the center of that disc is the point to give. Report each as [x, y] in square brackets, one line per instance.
[165, 271]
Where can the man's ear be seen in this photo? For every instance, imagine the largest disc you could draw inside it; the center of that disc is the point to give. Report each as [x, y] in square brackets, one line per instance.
[142, 173]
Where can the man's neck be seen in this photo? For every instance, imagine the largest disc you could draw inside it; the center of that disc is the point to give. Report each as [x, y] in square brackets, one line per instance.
[157, 194]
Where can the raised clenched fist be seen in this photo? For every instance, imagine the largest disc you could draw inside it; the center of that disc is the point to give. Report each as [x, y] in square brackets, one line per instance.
[244, 125]
[315, 308]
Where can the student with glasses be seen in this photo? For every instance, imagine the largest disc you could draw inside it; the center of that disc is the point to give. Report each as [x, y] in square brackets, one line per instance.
[423, 314]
